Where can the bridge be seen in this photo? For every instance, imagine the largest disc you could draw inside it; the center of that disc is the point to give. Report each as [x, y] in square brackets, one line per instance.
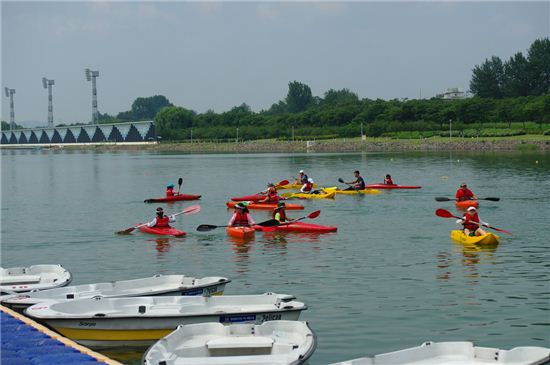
[130, 133]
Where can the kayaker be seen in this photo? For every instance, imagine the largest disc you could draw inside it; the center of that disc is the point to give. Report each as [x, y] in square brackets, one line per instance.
[470, 220]
[357, 184]
[170, 190]
[307, 188]
[388, 180]
[300, 179]
[279, 213]
[161, 220]
[271, 194]
[241, 217]
[463, 193]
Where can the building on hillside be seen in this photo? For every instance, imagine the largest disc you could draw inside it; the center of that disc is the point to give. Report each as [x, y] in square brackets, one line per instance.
[453, 93]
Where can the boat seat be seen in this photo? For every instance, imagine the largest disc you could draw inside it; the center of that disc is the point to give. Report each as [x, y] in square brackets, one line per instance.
[19, 279]
[240, 342]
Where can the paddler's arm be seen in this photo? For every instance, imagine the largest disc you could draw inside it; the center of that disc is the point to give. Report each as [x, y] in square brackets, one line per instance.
[152, 223]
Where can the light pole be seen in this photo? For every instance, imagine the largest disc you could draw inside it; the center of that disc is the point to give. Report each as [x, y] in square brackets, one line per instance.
[237, 140]
[450, 130]
[48, 85]
[9, 94]
[91, 76]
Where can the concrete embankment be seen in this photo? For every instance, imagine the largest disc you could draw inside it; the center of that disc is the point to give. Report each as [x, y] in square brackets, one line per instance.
[339, 145]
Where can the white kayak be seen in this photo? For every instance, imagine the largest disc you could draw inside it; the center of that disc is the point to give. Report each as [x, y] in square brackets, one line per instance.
[273, 343]
[36, 277]
[153, 286]
[456, 353]
[121, 322]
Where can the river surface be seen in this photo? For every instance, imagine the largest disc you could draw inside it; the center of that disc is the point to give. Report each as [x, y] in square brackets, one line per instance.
[390, 278]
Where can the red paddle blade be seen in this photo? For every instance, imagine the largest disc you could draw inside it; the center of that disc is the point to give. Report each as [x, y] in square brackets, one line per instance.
[284, 182]
[443, 213]
[314, 214]
[192, 209]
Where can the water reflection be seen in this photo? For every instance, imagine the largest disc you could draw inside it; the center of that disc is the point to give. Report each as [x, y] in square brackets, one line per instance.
[242, 248]
[471, 257]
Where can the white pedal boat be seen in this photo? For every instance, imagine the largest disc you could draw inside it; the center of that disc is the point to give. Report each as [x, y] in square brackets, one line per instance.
[153, 286]
[140, 321]
[36, 277]
[456, 353]
[273, 342]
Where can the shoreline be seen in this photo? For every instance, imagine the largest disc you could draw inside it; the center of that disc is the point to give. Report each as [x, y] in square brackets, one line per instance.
[509, 144]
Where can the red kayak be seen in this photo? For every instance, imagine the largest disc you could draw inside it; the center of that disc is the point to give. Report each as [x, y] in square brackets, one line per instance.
[266, 206]
[298, 227]
[240, 232]
[174, 198]
[247, 198]
[465, 204]
[391, 186]
[162, 231]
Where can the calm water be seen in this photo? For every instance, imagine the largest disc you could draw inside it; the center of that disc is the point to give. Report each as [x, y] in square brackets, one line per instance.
[390, 278]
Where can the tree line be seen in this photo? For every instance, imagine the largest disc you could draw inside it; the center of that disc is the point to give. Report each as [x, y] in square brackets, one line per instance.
[511, 92]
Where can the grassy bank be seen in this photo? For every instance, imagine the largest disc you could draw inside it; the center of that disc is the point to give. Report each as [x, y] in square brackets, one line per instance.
[382, 144]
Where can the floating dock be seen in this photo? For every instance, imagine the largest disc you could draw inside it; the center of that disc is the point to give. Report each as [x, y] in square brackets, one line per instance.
[26, 342]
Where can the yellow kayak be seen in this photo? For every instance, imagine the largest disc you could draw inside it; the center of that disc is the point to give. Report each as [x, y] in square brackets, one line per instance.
[292, 186]
[329, 195]
[487, 239]
[352, 192]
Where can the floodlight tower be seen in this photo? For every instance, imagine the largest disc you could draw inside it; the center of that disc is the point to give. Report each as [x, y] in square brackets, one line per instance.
[9, 94]
[48, 85]
[92, 75]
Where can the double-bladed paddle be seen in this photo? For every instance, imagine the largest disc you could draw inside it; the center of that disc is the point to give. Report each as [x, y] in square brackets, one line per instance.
[444, 199]
[446, 214]
[187, 211]
[209, 227]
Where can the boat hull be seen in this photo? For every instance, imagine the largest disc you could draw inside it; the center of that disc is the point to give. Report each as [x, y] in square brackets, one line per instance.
[162, 231]
[187, 286]
[298, 227]
[267, 206]
[391, 187]
[251, 198]
[353, 192]
[240, 232]
[174, 198]
[101, 326]
[487, 239]
[293, 186]
[35, 277]
[327, 195]
[465, 204]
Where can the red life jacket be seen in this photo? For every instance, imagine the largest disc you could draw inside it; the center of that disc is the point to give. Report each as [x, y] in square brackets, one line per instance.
[282, 214]
[163, 222]
[170, 192]
[272, 197]
[462, 195]
[389, 181]
[468, 222]
[308, 187]
[241, 219]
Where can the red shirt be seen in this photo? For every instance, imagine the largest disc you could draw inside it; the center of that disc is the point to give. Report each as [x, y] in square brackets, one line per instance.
[464, 194]
[170, 192]
[468, 219]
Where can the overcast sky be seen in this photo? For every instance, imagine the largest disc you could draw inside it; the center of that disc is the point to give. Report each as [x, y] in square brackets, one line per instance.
[216, 55]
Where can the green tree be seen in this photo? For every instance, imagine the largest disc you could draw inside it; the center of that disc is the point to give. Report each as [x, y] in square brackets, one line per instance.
[169, 121]
[145, 108]
[487, 79]
[299, 97]
[343, 96]
[516, 81]
[538, 57]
